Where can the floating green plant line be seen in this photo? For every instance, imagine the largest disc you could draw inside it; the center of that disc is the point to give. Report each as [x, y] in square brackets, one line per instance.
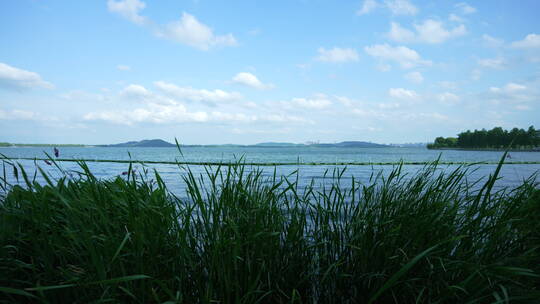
[422, 163]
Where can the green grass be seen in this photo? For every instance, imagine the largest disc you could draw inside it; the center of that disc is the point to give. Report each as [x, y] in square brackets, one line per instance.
[240, 237]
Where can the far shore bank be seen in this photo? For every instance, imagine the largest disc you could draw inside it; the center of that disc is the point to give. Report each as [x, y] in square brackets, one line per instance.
[487, 149]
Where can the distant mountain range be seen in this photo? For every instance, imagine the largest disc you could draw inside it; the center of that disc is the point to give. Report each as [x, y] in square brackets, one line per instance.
[158, 143]
[351, 144]
[147, 143]
[277, 144]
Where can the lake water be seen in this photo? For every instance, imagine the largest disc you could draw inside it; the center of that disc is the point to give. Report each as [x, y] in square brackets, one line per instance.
[511, 175]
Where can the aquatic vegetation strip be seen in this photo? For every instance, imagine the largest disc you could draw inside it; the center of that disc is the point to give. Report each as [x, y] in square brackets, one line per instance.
[272, 164]
[240, 237]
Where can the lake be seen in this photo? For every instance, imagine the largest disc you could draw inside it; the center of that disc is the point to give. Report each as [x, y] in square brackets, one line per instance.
[511, 175]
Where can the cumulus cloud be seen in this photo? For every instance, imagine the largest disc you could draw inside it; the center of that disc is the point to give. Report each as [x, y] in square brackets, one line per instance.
[198, 95]
[78, 95]
[430, 31]
[414, 77]
[493, 63]
[188, 30]
[337, 55]
[400, 34]
[135, 91]
[177, 113]
[401, 116]
[401, 93]
[396, 7]
[448, 98]
[15, 78]
[401, 7]
[513, 92]
[316, 103]
[531, 41]
[154, 113]
[128, 9]
[251, 80]
[24, 115]
[367, 7]
[168, 106]
[405, 57]
[493, 42]
[455, 18]
[465, 8]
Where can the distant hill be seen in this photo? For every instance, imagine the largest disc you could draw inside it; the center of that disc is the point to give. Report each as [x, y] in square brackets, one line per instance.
[352, 144]
[147, 143]
[277, 144]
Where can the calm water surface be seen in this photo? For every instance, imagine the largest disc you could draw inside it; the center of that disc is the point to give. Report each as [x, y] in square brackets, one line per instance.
[511, 174]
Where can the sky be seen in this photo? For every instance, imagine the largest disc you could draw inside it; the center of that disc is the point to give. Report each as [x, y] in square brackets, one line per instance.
[244, 72]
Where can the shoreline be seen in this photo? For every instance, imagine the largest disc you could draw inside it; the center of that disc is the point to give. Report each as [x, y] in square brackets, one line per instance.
[488, 149]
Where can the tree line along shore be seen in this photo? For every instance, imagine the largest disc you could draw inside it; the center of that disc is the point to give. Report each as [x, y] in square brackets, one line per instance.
[494, 139]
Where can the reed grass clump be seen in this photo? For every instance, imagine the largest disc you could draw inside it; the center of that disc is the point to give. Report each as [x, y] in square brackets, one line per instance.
[239, 236]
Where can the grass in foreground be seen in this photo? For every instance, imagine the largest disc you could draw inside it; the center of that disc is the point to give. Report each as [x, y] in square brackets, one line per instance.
[240, 237]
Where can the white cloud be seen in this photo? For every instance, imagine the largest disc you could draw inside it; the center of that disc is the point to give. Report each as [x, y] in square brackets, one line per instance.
[529, 42]
[448, 98]
[261, 131]
[337, 55]
[155, 113]
[345, 101]
[316, 103]
[401, 93]
[389, 106]
[251, 80]
[401, 7]
[281, 118]
[405, 57]
[465, 8]
[455, 18]
[122, 67]
[14, 78]
[367, 7]
[513, 92]
[177, 113]
[188, 30]
[493, 42]
[24, 115]
[430, 31]
[414, 77]
[128, 9]
[396, 7]
[493, 63]
[79, 95]
[400, 34]
[510, 87]
[135, 91]
[197, 95]
[392, 115]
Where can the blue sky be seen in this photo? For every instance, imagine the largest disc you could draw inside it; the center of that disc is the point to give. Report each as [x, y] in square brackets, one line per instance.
[387, 71]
